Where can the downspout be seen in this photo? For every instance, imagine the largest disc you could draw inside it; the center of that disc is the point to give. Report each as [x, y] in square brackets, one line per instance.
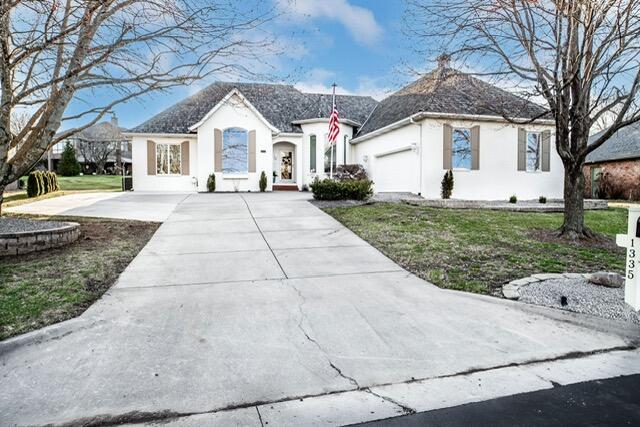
[413, 121]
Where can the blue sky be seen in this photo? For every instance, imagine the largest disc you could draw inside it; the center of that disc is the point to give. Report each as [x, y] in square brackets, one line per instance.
[356, 43]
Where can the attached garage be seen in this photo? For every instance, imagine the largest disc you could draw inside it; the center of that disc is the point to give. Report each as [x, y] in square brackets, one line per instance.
[396, 171]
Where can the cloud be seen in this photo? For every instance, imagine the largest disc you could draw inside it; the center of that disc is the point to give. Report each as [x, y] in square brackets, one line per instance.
[359, 21]
[319, 80]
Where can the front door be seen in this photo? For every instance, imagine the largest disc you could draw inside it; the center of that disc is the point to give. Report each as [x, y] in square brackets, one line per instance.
[286, 166]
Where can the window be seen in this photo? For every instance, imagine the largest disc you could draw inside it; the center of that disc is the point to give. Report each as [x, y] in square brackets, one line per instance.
[312, 154]
[168, 159]
[534, 146]
[461, 149]
[327, 156]
[235, 151]
[344, 149]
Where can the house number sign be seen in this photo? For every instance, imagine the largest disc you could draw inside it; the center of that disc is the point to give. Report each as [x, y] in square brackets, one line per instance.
[631, 241]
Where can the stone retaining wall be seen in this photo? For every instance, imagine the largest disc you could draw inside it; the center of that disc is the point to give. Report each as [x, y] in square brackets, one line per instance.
[40, 240]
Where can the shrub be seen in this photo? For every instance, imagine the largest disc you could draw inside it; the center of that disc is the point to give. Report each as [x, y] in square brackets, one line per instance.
[331, 189]
[350, 172]
[446, 185]
[542, 199]
[69, 165]
[32, 185]
[263, 181]
[211, 183]
[46, 182]
[513, 199]
[611, 188]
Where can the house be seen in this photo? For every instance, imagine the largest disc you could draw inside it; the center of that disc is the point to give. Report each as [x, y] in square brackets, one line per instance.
[612, 170]
[445, 120]
[98, 147]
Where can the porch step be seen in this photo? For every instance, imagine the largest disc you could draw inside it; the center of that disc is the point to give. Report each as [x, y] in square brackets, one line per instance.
[285, 187]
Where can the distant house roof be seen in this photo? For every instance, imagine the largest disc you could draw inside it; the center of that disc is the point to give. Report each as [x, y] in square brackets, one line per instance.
[446, 90]
[101, 132]
[624, 144]
[280, 105]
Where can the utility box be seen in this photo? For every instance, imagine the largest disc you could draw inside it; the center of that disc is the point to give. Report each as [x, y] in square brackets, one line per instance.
[127, 183]
[631, 241]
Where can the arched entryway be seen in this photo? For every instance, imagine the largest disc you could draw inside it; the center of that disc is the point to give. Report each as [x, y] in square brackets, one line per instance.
[284, 164]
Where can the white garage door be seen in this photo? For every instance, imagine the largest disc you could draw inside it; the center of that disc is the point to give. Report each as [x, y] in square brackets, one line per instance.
[396, 172]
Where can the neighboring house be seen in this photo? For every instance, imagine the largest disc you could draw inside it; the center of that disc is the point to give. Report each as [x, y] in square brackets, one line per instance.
[102, 145]
[446, 120]
[617, 161]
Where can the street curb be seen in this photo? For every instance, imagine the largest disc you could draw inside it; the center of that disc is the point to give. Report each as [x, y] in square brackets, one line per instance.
[48, 333]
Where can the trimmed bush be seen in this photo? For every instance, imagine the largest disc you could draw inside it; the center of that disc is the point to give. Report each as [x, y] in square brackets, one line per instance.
[350, 172]
[513, 199]
[446, 186]
[211, 183]
[542, 199]
[32, 185]
[39, 183]
[69, 165]
[263, 181]
[330, 189]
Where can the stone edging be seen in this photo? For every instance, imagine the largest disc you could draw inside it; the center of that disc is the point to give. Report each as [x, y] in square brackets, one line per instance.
[512, 289]
[522, 206]
[25, 242]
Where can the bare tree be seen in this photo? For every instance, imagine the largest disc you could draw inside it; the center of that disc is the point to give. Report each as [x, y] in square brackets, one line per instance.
[60, 53]
[96, 152]
[580, 56]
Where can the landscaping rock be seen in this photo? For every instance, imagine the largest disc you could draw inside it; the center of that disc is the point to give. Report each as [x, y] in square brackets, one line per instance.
[510, 292]
[524, 281]
[547, 276]
[603, 278]
[573, 275]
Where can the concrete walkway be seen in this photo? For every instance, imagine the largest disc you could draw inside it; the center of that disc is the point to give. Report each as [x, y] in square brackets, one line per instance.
[252, 308]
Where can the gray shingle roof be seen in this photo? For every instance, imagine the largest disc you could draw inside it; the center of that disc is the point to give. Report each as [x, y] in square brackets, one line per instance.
[279, 104]
[624, 144]
[446, 90]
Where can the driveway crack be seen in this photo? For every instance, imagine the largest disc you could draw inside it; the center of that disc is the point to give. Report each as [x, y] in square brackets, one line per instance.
[406, 409]
[259, 416]
[303, 317]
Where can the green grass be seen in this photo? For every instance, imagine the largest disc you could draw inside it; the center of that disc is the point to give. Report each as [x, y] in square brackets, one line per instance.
[90, 182]
[46, 287]
[479, 250]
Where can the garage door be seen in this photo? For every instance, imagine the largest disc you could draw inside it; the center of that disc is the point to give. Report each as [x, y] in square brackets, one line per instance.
[396, 172]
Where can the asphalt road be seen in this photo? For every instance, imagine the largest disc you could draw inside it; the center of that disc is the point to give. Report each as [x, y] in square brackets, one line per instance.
[611, 402]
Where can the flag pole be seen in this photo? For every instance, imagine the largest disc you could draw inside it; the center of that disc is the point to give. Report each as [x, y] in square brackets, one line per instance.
[331, 143]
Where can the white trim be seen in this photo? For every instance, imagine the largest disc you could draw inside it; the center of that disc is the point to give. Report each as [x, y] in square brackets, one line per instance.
[162, 135]
[451, 116]
[288, 135]
[234, 91]
[395, 151]
[326, 120]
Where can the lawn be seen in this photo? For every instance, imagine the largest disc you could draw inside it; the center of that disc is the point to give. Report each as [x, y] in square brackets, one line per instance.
[42, 288]
[68, 185]
[480, 250]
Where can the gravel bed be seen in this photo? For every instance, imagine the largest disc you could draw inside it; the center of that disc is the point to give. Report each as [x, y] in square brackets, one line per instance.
[582, 297]
[18, 225]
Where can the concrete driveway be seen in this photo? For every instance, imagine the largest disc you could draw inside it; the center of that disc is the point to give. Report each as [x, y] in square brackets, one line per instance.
[245, 309]
[117, 205]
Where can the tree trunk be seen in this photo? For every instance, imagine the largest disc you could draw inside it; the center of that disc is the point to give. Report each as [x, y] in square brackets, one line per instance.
[573, 226]
[1, 197]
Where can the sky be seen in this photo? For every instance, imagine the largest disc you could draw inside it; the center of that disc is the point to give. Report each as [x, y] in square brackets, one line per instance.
[358, 44]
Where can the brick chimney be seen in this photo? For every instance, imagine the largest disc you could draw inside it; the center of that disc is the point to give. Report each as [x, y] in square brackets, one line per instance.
[444, 61]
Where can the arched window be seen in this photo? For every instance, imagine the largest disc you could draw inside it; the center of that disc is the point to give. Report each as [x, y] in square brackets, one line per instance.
[235, 151]
[312, 153]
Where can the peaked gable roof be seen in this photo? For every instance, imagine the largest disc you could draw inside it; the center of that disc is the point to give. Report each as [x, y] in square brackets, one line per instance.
[449, 91]
[279, 104]
[624, 144]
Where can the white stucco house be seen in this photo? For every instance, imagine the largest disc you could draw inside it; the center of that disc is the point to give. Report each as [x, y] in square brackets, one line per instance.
[445, 120]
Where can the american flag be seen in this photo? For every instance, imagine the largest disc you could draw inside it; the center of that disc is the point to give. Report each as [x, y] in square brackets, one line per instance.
[334, 128]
